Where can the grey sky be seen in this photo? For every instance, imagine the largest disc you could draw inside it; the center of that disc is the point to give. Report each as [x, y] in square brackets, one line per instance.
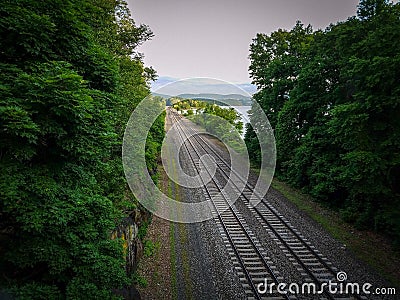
[211, 38]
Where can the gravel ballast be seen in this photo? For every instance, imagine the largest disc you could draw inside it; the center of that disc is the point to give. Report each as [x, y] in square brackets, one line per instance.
[200, 266]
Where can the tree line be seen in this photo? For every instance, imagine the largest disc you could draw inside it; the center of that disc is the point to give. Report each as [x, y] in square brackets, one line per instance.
[333, 99]
[206, 110]
[71, 76]
[222, 122]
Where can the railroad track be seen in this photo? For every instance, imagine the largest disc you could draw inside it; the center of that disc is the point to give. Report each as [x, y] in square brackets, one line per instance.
[248, 254]
[250, 259]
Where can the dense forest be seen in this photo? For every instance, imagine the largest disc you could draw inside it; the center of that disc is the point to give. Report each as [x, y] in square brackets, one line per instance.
[70, 78]
[333, 99]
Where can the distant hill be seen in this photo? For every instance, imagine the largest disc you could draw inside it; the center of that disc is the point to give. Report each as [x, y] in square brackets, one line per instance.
[161, 95]
[248, 87]
[230, 99]
[161, 81]
[174, 87]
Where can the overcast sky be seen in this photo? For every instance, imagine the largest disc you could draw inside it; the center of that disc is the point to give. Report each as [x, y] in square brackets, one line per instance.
[211, 38]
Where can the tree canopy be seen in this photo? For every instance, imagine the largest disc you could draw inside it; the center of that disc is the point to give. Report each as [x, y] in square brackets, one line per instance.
[71, 76]
[333, 99]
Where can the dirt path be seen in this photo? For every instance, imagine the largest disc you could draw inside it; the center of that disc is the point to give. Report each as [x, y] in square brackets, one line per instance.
[155, 270]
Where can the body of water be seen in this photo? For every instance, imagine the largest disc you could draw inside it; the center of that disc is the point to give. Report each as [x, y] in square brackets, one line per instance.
[243, 111]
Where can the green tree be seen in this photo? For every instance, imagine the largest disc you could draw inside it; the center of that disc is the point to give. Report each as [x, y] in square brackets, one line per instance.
[276, 61]
[337, 122]
[70, 79]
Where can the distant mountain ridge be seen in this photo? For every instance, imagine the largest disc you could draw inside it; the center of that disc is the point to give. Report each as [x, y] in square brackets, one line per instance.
[229, 99]
[200, 86]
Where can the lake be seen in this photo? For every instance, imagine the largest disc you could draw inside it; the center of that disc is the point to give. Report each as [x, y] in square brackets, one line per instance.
[242, 110]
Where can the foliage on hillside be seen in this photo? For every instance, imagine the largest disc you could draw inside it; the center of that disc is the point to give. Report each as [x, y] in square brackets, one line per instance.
[222, 122]
[71, 77]
[333, 98]
[205, 110]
